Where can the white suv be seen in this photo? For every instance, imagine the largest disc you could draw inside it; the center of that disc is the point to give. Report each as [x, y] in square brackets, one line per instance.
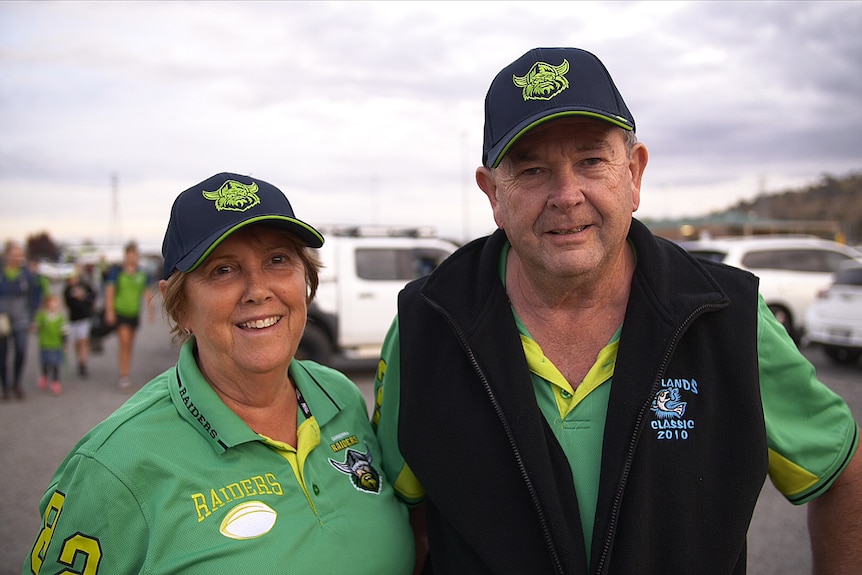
[792, 269]
[834, 319]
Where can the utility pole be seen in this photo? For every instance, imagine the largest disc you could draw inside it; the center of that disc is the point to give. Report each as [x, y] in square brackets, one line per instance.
[115, 211]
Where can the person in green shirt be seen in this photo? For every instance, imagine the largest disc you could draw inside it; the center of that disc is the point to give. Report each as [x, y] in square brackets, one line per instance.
[241, 458]
[126, 290]
[572, 394]
[51, 328]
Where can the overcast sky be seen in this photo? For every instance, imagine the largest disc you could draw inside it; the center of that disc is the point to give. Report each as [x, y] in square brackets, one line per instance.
[371, 112]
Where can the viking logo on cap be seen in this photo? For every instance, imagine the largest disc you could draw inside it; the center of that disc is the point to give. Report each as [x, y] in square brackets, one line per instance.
[233, 195]
[543, 81]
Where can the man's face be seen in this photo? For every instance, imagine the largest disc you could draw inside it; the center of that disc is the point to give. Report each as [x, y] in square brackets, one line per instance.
[565, 194]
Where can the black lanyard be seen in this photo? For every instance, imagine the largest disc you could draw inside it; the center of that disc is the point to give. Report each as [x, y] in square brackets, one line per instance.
[306, 411]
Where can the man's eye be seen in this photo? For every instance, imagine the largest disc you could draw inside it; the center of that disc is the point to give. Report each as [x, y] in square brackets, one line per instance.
[593, 161]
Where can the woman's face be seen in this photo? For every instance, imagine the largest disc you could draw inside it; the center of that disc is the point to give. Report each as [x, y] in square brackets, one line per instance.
[246, 305]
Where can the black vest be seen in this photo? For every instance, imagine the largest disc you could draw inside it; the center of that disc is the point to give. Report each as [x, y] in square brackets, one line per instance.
[684, 454]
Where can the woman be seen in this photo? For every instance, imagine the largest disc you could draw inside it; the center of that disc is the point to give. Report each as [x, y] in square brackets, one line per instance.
[126, 287]
[20, 298]
[240, 459]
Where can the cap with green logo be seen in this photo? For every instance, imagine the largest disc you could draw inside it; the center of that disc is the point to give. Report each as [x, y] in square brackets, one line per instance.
[544, 84]
[208, 212]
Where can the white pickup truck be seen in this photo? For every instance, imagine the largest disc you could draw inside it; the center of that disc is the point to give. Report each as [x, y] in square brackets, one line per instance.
[364, 269]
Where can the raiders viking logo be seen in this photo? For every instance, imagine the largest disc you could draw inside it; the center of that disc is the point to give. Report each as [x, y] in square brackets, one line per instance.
[543, 81]
[235, 196]
[362, 474]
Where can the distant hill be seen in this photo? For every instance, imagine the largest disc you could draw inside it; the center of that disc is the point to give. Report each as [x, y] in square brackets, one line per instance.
[832, 198]
[830, 208]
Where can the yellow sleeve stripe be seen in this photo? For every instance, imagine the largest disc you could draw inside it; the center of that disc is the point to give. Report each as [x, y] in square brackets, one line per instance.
[408, 487]
[789, 478]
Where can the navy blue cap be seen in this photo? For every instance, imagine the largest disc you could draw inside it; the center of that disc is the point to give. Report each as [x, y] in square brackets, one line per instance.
[208, 212]
[544, 84]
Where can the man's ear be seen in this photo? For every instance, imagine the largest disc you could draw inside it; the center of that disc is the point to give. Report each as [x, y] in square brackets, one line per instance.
[488, 184]
[637, 165]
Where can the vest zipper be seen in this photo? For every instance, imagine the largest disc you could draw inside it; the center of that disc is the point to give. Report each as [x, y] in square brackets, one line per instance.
[615, 508]
[546, 531]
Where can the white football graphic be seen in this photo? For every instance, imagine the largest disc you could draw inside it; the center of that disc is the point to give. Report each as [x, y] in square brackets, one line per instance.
[248, 520]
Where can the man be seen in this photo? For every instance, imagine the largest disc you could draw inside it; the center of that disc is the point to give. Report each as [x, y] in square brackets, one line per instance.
[575, 395]
[20, 297]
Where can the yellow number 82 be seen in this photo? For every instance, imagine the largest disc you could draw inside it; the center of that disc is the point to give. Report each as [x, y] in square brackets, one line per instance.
[77, 543]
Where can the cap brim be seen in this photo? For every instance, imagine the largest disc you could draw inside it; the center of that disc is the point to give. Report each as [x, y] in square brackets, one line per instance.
[496, 154]
[309, 236]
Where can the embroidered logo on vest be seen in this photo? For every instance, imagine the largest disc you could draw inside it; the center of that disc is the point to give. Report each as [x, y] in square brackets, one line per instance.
[669, 409]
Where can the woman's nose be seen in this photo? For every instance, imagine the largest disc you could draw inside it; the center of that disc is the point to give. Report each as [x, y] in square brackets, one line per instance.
[256, 287]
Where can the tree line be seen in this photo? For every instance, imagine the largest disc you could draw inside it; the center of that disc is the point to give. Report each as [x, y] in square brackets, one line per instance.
[830, 198]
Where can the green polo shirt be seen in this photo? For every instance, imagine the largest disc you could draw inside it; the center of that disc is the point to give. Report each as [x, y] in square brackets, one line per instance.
[175, 482]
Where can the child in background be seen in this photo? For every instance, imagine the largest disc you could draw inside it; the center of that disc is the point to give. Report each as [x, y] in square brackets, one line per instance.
[80, 299]
[52, 329]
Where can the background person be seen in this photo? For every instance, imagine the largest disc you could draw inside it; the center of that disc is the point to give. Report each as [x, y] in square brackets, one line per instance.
[20, 297]
[51, 329]
[80, 298]
[575, 395]
[43, 281]
[126, 289]
[240, 459]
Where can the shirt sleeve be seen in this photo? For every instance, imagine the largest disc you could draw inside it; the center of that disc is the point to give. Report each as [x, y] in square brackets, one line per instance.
[111, 276]
[384, 419]
[90, 523]
[810, 429]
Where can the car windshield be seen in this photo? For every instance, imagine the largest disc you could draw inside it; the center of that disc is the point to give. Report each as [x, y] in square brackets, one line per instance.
[850, 276]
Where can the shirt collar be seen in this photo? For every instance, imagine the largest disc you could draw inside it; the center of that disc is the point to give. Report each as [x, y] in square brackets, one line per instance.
[199, 405]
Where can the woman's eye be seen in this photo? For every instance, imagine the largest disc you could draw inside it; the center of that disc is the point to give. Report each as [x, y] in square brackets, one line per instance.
[221, 270]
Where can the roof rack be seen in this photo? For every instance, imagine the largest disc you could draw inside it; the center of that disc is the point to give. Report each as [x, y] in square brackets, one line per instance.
[357, 231]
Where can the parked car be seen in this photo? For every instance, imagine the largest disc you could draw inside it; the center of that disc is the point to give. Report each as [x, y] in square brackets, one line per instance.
[834, 319]
[792, 269]
[364, 268]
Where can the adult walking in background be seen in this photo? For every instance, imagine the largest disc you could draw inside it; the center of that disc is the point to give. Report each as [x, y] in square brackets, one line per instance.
[20, 298]
[80, 298]
[127, 289]
[240, 459]
[573, 394]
